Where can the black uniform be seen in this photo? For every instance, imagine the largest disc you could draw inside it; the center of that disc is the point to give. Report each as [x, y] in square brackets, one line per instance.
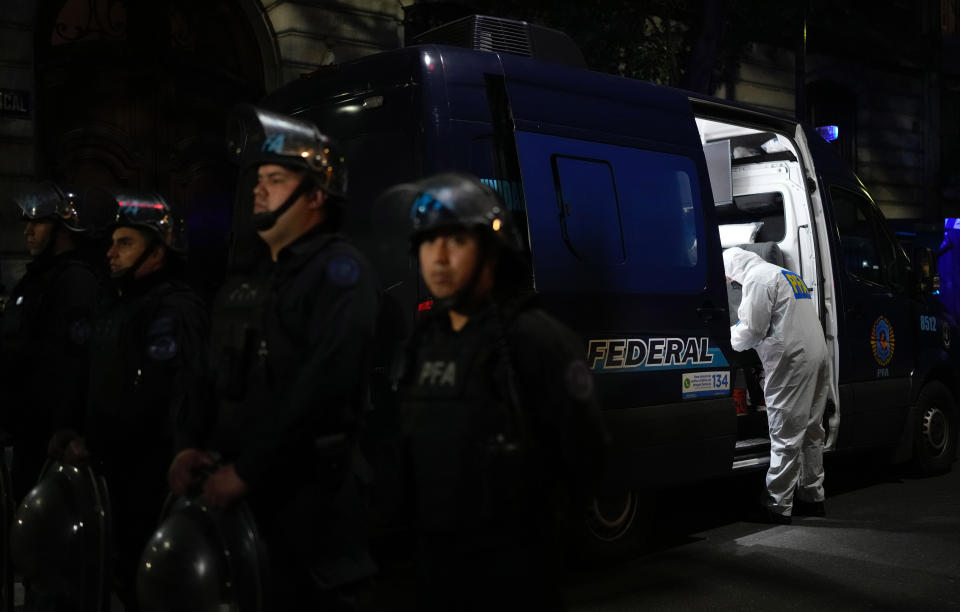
[43, 348]
[497, 455]
[292, 350]
[147, 358]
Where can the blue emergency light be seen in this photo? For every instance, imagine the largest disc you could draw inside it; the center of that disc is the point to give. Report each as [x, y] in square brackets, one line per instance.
[828, 132]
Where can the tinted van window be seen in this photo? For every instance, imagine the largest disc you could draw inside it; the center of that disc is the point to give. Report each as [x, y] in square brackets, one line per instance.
[608, 218]
[863, 249]
[589, 210]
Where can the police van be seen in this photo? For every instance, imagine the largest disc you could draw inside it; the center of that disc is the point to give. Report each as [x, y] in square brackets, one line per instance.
[628, 193]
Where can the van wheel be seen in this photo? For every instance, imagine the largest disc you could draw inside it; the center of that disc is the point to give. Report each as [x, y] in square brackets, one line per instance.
[935, 441]
[612, 528]
[610, 518]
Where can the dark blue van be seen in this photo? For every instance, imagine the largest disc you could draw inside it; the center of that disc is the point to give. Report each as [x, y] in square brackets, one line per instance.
[629, 192]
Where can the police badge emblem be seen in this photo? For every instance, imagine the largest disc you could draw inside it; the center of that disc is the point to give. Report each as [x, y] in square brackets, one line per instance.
[882, 341]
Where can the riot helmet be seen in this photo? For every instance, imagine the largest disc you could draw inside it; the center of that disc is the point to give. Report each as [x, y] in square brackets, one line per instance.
[144, 211]
[150, 212]
[52, 224]
[202, 559]
[59, 538]
[257, 136]
[455, 199]
[45, 201]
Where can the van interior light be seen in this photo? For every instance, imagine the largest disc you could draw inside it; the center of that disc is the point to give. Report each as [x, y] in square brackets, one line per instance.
[828, 132]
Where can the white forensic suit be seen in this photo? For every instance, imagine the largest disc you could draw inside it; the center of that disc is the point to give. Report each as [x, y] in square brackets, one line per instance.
[779, 319]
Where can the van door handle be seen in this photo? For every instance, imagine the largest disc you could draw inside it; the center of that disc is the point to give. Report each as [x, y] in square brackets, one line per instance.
[707, 312]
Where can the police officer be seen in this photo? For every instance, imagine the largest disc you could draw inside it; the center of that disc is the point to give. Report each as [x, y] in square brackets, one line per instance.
[45, 331]
[292, 347]
[502, 425]
[146, 364]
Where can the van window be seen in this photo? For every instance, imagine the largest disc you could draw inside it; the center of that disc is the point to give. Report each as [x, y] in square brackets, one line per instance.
[608, 218]
[589, 210]
[867, 251]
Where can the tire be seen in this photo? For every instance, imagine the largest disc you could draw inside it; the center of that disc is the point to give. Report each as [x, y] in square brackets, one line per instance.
[612, 527]
[935, 430]
[611, 518]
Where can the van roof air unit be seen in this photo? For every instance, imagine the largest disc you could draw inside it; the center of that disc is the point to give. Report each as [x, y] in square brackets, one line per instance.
[484, 33]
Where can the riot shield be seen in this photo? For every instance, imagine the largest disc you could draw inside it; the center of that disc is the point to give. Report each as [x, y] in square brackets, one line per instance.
[6, 514]
[203, 559]
[60, 537]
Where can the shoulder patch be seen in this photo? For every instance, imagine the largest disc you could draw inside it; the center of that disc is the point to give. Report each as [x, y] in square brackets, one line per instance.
[162, 342]
[343, 271]
[578, 380]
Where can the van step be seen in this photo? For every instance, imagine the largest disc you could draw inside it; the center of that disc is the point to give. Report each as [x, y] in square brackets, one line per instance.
[750, 444]
[751, 453]
[751, 463]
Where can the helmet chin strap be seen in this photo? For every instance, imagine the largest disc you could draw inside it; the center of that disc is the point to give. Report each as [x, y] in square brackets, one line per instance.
[265, 220]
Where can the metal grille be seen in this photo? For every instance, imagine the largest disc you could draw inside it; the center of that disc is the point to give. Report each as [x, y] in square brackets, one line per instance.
[482, 33]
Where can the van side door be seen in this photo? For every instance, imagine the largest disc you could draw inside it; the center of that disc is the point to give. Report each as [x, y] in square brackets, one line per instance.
[625, 250]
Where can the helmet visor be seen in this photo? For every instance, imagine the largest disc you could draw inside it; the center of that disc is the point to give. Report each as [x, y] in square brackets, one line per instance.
[111, 208]
[45, 200]
[257, 136]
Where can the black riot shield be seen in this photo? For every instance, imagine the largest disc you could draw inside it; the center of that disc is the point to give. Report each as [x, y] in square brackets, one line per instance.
[60, 537]
[6, 513]
[202, 559]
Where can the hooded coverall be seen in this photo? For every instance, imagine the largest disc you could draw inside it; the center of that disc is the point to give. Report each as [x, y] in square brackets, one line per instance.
[779, 319]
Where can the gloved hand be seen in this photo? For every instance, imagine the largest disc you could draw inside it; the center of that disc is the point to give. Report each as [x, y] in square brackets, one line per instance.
[67, 445]
[184, 469]
[224, 487]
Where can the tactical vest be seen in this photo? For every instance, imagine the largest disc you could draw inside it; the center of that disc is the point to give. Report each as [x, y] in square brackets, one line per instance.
[468, 469]
[119, 350]
[254, 350]
[239, 342]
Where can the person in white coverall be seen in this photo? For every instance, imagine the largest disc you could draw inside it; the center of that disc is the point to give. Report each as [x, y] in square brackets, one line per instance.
[778, 318]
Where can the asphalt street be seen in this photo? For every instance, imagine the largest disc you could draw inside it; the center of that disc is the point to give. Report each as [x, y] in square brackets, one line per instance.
[890, 541]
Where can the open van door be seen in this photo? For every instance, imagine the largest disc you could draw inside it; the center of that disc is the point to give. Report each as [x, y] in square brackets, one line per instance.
[818, 236]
